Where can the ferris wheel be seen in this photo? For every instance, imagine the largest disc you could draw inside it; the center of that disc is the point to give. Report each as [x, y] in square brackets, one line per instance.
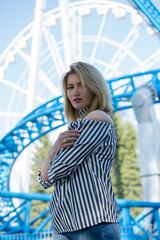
[114, 37]
[110, 35]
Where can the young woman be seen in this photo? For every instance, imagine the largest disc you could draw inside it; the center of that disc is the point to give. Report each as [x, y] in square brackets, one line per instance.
[83, 205]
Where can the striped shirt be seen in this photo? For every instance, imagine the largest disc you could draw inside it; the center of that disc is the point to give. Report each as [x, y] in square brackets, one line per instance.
[83, 194]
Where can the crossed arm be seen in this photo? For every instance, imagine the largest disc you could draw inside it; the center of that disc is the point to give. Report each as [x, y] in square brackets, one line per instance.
[64, 157]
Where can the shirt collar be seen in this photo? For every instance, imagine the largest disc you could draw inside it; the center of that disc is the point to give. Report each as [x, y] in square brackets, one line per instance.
[82, 111]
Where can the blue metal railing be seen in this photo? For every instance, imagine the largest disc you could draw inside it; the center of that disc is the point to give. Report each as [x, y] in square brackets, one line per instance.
[122, 88]
[146, 225]
[151, 12]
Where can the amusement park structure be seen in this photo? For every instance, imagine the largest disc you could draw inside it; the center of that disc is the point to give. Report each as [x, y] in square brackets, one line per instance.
[139, 91]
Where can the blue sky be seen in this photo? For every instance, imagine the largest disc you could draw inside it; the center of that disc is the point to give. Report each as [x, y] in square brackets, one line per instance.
[15, 15]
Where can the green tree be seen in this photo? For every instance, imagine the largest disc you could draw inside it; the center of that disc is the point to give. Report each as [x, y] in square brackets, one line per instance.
[118, 159]
[125, 170]
[42, 148]
[130, 167]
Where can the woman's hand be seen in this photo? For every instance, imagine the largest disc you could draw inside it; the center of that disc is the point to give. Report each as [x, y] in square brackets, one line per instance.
[64, 140]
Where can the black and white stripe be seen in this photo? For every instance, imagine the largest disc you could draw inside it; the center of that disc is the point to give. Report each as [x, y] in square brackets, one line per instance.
[83, 194]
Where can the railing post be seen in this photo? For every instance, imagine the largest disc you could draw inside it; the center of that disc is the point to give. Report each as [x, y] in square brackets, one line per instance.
[157, 218]
[126, 227]
[27, 217]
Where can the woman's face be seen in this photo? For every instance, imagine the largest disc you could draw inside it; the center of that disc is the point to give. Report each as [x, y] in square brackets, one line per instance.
[79, 96]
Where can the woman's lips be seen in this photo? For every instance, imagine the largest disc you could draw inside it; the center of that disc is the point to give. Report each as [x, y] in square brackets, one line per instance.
[77, 100]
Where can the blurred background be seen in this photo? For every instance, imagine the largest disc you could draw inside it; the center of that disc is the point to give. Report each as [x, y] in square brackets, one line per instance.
[39, 40]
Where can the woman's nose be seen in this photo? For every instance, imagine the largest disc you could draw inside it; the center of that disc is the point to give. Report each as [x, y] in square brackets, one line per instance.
[76, 91]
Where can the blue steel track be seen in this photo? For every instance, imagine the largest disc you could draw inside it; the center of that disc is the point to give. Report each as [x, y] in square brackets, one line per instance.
[42, 120]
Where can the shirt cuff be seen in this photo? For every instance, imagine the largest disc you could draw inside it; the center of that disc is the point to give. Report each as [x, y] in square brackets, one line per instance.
[40, 179]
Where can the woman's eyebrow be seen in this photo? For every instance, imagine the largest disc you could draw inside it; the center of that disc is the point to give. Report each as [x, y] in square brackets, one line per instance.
[70, 84]
[73, 83]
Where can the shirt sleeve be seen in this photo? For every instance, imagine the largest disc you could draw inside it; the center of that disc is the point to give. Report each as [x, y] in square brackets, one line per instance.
[44, 183]
[92, 134]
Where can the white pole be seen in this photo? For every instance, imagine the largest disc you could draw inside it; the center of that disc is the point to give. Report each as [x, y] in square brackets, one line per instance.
[35, 54]
[32, 84]
[66, 31]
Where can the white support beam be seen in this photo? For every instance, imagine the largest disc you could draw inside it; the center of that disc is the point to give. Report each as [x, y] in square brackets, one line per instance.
[25, 163]
[54, 51]
[149, 142]
[76, 26]
[41, 74]
[98, 37]
[35, 54]
[123, 51]
[148, 62]
[66, 32]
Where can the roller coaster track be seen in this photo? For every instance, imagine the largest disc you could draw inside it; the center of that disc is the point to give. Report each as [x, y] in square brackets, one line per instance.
[50, 116]
[151, 12]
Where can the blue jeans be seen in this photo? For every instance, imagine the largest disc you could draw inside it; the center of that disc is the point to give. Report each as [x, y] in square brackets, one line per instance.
[103, 231]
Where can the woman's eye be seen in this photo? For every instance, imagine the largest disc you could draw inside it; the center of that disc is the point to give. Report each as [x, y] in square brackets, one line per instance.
[70, 87]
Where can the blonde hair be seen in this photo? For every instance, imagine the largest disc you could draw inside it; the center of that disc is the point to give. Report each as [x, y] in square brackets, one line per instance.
[91, 78]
